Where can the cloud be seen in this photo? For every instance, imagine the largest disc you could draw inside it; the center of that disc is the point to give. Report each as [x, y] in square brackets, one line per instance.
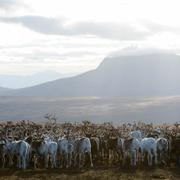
[108, 30]
[136, 51]
[156, 28]
[54, 26]
[40, 55]
[10, 4]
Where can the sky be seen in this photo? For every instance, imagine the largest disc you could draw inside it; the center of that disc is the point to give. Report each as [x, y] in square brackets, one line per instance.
[73, 36]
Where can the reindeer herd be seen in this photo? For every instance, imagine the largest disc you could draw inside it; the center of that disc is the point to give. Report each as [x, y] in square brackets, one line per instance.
[25, 144]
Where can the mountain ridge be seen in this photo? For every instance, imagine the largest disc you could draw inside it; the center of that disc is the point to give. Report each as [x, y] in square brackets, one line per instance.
[140, 75]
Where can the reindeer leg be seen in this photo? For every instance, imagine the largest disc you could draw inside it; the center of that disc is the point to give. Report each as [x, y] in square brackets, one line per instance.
[46, 161]
[90, 156]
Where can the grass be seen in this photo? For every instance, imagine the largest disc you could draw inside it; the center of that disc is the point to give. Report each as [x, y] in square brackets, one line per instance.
[99, 173]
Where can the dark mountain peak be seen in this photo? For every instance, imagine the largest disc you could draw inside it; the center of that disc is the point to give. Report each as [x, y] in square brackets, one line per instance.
[116, 59]
[144, 63]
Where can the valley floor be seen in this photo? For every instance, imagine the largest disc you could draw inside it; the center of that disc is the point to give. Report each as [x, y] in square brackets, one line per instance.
[96, 109]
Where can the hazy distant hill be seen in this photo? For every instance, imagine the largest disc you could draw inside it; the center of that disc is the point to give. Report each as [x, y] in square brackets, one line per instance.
[21, 81]
[3, 90]
[134, 75]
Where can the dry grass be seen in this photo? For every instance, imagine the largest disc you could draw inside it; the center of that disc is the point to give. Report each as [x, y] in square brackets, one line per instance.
[95, 174]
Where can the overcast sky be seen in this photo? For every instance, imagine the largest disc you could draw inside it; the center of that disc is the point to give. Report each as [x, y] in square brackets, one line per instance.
[73, 36]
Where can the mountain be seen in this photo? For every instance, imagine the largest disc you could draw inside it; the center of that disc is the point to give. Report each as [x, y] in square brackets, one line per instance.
[21, 81]
[134, 75]
[3, 90]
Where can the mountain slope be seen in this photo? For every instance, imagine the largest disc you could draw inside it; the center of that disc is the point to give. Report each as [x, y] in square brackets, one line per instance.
[140, 75]
[3, 90]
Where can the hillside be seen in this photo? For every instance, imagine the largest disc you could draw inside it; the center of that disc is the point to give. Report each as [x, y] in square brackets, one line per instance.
[134, 75]
[4, 90]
